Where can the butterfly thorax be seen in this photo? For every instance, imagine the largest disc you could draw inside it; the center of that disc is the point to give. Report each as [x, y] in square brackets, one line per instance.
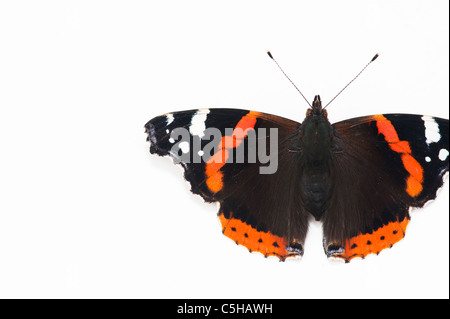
[315, 146]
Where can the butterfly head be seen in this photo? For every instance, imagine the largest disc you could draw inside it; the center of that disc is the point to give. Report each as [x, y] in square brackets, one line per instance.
[316, 109]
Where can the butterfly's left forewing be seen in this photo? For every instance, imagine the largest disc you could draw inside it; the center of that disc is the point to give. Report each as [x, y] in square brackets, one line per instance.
[388, 163]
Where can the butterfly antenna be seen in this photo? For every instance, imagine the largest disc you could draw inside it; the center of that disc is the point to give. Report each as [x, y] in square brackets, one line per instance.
[270, 55]
[373, 59]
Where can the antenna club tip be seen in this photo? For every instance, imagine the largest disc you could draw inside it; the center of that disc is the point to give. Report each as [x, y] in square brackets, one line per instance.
[270, 54]
[375, 57]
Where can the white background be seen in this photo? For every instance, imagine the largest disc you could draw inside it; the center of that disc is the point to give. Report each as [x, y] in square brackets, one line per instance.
[87, 212]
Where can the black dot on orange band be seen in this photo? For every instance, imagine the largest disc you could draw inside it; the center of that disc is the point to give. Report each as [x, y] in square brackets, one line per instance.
[395, 232]
[246, 235]
[369, 242]
[233, 229]
[382, 237]
[275, 244]
[354, 246]
[260, 240]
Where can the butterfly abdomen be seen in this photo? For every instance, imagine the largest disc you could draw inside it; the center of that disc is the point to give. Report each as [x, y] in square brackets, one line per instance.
[316, 192]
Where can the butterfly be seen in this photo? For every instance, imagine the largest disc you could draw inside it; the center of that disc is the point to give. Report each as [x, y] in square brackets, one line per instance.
[271, 175]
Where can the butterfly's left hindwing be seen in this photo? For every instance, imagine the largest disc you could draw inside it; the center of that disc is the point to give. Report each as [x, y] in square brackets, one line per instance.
[388, 163]
[259, 199]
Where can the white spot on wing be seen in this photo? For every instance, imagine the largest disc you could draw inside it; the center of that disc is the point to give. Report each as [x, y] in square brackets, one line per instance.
[198, 123]
[443, 154]
[431, 129]
[428, 159]
[184, 146]
[169, 118]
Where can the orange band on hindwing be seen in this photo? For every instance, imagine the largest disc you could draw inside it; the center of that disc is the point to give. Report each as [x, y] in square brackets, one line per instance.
[214, 176]
[415, 180]
[374, 242]
[266, 243]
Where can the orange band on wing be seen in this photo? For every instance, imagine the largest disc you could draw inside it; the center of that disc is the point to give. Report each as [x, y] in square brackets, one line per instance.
[400, 147]
[414, 182]
[213, 174]
[386, 128]
[413, 186]
[264, 242]
[374, 242]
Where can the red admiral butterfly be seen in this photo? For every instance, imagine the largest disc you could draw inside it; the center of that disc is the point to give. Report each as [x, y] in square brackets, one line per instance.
[359, 177]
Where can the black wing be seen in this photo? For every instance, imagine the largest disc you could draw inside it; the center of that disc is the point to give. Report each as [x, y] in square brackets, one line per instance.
[259, 199]
[383, 165]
